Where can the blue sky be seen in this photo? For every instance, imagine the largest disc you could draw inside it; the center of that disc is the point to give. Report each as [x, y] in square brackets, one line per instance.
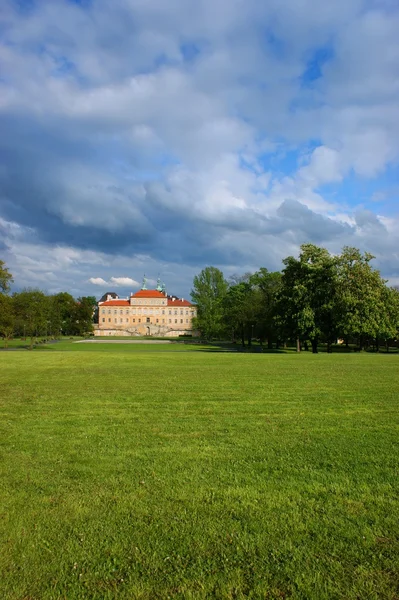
[140, 136]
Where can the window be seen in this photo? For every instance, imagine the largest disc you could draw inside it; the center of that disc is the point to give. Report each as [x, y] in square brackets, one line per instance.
[109, 311]
[121, 312]
[163, 311]
[109, 320]
[139, 320]
[120, 320]
[116, 320]
[134, 320]
[170, 320]
[115, 312]
[175, 320]
[148, 319]
[186, 320]
[181, 311]
[103, 320]
[103, 311]
[157, 320]
[175, 311]
[127, 311]
[181, 320]
[163, 320]
[170, 311]
[186, 313]
[127, 320]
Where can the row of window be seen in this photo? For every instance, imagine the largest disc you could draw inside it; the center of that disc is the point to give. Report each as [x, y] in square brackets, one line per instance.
[148, 320]
[143, 311]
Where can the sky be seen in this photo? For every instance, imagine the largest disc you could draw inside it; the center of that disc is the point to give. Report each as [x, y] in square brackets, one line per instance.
[151, 137]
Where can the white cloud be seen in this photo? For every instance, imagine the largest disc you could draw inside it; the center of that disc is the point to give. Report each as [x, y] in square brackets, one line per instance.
[98, 281]
[120, 145]
[124, 282]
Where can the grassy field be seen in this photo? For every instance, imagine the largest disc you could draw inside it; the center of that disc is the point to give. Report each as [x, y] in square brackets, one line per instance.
[178, 472]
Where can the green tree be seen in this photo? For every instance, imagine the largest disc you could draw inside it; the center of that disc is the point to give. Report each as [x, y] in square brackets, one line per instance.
[7, 318]
[306, 301]
[62, 311]
[362, 296]
[5, 277]
[208, 293]
[32, 311]
[240, 310]
[266, 286]
[82, 316]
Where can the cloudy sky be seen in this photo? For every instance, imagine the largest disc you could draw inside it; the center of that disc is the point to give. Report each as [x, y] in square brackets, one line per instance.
[158, 137]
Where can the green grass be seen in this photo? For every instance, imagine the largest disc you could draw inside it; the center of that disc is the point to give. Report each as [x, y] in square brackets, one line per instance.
[174, 472]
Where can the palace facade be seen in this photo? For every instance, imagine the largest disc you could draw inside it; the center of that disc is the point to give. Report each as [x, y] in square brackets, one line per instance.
[145, 313]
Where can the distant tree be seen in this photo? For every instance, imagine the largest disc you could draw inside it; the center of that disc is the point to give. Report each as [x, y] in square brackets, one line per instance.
[62, 310]
[5, 278]
[208, 293]
[362, 296]
[240, 310]
[82, 316]
[266, 285]
[7, 318]
[389, 318]
[306, 301]
[32, 311]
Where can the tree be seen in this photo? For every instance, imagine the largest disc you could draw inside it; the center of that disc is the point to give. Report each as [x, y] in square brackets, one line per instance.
[240, 309]
[7, 318]
[362, 296]
[209, 290]
[32, 310]
[82, 316]
[5, 277]
[266, 285]
[306, 301]
[62, 308]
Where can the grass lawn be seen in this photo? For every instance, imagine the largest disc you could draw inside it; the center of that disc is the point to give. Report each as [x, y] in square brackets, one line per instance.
[151, 472]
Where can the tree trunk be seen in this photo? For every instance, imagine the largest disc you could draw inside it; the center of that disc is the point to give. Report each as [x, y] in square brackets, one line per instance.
[298, 345]
[314, 346]
[377, 345]
[243, 337]
[387, 346]
[329, 347]
[269, 344]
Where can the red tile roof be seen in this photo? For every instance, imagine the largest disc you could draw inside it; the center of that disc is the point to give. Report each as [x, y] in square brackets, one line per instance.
[178, 302]
[148, 294]
[115, 303]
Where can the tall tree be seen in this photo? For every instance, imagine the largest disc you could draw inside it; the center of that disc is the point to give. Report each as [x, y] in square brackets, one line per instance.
[208, 293]
[7, 318]
[266, 286]
[361, 296]
[32, 311]
[241, 309]
[306, 305]
[62, 309]
[82, 316]
[5, 277]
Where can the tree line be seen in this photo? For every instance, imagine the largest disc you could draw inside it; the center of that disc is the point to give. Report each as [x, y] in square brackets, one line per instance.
[316, 298]
[32, 313]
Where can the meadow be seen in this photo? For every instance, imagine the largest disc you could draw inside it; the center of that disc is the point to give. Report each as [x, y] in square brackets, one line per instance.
[177, 471]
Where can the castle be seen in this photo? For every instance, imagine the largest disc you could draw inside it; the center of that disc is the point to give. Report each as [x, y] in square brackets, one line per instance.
[145, 313]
